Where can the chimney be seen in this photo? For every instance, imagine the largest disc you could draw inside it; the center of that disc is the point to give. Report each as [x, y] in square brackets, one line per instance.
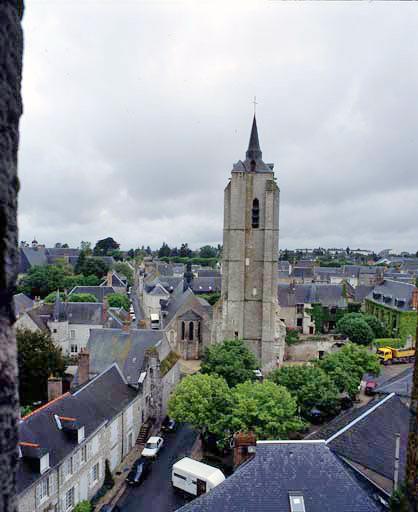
[54, 388]
[83, 366]
[109, 278]
[244, 447]
[104, 310]
[126, 326]
[414, 301]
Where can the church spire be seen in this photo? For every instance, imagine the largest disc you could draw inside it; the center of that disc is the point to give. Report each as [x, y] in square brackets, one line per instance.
[254, 151]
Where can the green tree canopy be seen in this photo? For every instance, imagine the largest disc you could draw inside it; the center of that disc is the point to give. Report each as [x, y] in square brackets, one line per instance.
[105, 247]
[50, 298]
[118, 300]
[376, 325]
[347, 367]
[126, 270]
[310, 385]
[231, 360]
[264, 408]
[91, 266]
[42, 280]
[37, 358]
[204, 401]
[207, 251]
[164, 251]
[355, 327]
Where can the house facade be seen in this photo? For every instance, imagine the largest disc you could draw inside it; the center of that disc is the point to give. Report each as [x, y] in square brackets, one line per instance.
[65, 445]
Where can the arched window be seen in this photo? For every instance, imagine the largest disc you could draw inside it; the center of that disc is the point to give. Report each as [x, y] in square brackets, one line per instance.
[191, 331]
[256, 213]
[183, 330]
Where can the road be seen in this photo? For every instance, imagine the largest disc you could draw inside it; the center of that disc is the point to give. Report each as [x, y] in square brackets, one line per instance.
[156, 493]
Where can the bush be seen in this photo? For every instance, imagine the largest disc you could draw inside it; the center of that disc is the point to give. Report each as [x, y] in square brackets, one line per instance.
[118, 300]
[168, 363]
[292, 336]
[83, 506]
[388, 342]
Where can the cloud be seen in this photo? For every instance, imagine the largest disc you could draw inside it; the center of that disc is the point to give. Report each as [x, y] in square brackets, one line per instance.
[134, 113]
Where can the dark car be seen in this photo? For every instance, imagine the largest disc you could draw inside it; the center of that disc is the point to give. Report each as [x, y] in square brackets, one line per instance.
[370, 388]
[168, 425]
[139, 471]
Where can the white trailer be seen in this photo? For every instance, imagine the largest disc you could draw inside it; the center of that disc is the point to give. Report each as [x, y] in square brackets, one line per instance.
[194, 477]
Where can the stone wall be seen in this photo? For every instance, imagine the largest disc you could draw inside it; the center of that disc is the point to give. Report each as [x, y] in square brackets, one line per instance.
[307, 350]
[11, 51]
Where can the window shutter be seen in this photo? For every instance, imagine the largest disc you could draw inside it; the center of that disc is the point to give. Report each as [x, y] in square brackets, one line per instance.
[76, 461]
[37, 495]
[89, 450]
[52, 484]
[76, 496]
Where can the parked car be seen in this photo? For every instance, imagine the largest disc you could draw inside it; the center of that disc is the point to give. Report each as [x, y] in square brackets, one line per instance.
[168, 425]
[152, 446]
[370, 388]
[139, 471]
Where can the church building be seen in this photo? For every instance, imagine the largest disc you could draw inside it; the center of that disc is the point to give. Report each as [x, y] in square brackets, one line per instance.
[248, 308]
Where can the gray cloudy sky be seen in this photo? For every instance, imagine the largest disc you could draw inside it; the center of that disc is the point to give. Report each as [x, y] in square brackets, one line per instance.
[134, 112]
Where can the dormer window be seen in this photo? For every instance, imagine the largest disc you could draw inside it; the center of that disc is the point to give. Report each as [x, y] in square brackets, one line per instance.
[255, 219]
[296, 501]
[80, 435]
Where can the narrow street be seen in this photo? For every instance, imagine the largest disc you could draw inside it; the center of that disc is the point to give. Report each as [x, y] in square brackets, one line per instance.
[156, 493]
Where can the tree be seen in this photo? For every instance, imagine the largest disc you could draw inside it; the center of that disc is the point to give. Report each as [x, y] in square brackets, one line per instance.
[345, 323]
[164, 251]
[42, 280]
[82, 297]
[204, 401]
[65, 246]
[376, 326]
[347, 367]
[311, 386]
[131, 254]
[264, 408]
[207, 251]
[126, 270]
[231, 360]
[50, 298]
[118, 300]
[105, 246]
[355, 327]
[185, 252]
[93, 266]
[38, 358]
[86, 247]
[83, 506]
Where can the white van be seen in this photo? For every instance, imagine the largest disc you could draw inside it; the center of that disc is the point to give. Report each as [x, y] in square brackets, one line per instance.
[195, 477]
[155, 321]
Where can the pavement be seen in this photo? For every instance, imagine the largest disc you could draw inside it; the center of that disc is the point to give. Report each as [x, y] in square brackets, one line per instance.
[156, 493]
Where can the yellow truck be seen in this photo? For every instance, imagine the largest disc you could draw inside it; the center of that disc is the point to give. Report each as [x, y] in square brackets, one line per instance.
[389, 355]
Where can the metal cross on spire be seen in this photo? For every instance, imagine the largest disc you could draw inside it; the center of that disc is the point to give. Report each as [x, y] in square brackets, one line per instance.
[254, 102]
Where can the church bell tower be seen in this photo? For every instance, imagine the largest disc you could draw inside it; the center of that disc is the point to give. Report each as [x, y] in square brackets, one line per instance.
[250, 257]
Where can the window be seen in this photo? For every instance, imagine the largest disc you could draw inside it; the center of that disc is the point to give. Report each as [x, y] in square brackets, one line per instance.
[95, 474]
[191, 330]
[299, 308]
[114, 432]
[69, 498]
[68, 468]
[256, 214]
[54, 330]
[180, 476]
[74, 349]
[95, 445]
[72, 334]
[183, 330]
[129, 416]
[43, 490]
[299, 322]
[84, 454]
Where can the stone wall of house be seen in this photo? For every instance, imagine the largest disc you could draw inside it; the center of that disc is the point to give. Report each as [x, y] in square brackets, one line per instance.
[101, 446]
[169, 381]
[25, 322]
[11, 45]
[307, 350]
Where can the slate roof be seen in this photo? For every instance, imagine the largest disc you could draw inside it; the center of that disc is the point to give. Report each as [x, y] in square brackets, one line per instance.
[310, 293]
[117, 281]
[22, 303]
[94, 403]
[208, 272]
[361, 292]
[30, 257]
[175, 304]
[370, 440]
[90, 313]
[159, 290]
[127, 349]
[263, 483]
[206, 284]
[393, 290]
[98, 291]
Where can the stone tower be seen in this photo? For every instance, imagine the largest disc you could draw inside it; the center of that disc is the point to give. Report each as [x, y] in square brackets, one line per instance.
[250, 257]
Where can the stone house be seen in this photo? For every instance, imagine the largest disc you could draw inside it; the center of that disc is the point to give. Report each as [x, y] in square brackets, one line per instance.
[143, 355]
[65, 445]
[187, 322]
[395, 304]
[308, 306]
